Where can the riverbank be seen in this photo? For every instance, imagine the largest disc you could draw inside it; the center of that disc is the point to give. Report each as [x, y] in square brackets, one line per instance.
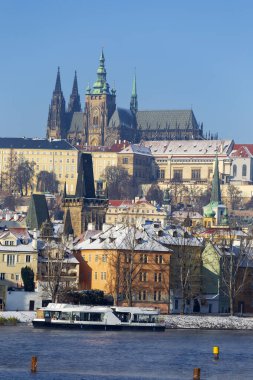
[21, 316]
[205, 322]
[208, 322]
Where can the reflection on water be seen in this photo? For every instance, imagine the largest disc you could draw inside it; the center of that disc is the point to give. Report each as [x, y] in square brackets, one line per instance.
[90, 355]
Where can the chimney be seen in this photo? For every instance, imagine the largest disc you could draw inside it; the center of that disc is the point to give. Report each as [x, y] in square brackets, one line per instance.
[16, 217]
[91, 226]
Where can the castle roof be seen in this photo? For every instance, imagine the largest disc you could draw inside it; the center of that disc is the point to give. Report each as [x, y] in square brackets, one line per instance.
[33, 143]
[123, 117]
[187, 148]
[166, 119]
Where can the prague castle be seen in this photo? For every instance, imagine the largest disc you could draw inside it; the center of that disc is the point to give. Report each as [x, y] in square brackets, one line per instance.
[102, 122]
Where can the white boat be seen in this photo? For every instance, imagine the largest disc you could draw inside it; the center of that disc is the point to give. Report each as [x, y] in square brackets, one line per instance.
[98, 317]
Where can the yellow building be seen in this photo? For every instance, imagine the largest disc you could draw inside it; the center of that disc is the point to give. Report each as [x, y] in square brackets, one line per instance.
[17, 250]
[134, 158]
[132, 212]
[56, 156]
[127, 264]
[191, 161]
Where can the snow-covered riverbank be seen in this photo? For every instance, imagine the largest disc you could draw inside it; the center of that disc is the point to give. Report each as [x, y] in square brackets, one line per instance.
[22, 316]
[172, 321]
[208, 322]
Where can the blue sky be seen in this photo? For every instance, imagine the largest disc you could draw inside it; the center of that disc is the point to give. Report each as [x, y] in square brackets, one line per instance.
[188, 54]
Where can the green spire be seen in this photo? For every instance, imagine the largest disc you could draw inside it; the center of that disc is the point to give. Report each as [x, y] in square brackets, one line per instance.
[216, 193]
[101, 86]
[134, 100]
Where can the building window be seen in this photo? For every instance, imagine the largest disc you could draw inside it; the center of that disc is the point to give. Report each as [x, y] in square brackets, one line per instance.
[142, 295]
[28, 259]
[159, 259]
[96, 275]
[125, 160]
[158, 277]
[96, 258]
[10, 260]
[178, 175]
[161, 173]
[89, 258]
[17, 277]
[143, 276]
[210, 173]
[244, 170]
[143, 259]
[2, 276]
[234, 170]
[195, 173]
[103, 275]
[104, 258]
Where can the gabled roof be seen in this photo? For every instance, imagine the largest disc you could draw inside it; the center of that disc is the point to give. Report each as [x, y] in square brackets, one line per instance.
[37, 212]
[166, 119]
[242, 150]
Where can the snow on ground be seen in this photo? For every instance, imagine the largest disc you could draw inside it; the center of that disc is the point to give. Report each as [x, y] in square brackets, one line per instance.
[171, 321]
[22, 316]
[208, 322]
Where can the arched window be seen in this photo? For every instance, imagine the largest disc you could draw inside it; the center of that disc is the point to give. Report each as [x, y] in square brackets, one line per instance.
[244, 170]
[234, 170]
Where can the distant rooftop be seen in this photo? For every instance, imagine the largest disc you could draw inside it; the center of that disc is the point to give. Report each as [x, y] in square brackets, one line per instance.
[34, 143]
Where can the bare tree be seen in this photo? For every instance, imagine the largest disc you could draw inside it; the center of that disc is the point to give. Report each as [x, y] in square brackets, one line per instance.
[120, 184]
[234, 196]
[178, 191]
[155, 194]
[23, 176]
[8, 182]
[46, 181]
[57, 272]
[233, 255]
[186, 270]
[136, 260]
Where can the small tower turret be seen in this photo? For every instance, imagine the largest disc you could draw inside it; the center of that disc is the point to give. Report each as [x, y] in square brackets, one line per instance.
[134, 100]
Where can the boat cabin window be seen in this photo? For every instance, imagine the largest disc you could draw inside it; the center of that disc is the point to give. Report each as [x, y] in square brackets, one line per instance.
[123, 317]
[64, 316]
[144, 318]
[94, 317]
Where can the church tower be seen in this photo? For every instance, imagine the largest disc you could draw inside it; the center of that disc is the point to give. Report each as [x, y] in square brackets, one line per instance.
[74, 100]
[215, 213]
[134, 100]
[56, 124]
[100, 103]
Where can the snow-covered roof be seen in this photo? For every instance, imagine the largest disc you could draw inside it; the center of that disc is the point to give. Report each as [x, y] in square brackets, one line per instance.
[122, 237]
[190, 147]
[137, 149]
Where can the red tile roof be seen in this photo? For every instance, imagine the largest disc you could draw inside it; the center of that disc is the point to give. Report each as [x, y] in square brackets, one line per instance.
[242, 150]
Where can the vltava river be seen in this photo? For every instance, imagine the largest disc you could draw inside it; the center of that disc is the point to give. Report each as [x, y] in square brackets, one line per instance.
[81, 355]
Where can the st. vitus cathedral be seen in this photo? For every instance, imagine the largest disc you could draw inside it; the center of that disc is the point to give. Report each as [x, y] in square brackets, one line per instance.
[102, 122]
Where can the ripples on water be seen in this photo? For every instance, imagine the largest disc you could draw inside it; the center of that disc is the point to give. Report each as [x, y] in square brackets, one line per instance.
[96, 355]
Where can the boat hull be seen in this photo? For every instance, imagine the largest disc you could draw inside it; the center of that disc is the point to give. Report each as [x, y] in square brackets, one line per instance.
[79, 326]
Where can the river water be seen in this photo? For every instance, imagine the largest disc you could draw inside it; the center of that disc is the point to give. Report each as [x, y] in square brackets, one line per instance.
[91, 355]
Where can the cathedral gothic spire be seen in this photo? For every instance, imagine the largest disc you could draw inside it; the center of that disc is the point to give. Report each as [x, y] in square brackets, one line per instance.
[56, 115]
[74, 100]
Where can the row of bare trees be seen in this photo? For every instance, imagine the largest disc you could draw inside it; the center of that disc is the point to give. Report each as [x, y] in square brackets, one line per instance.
[18, 177]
